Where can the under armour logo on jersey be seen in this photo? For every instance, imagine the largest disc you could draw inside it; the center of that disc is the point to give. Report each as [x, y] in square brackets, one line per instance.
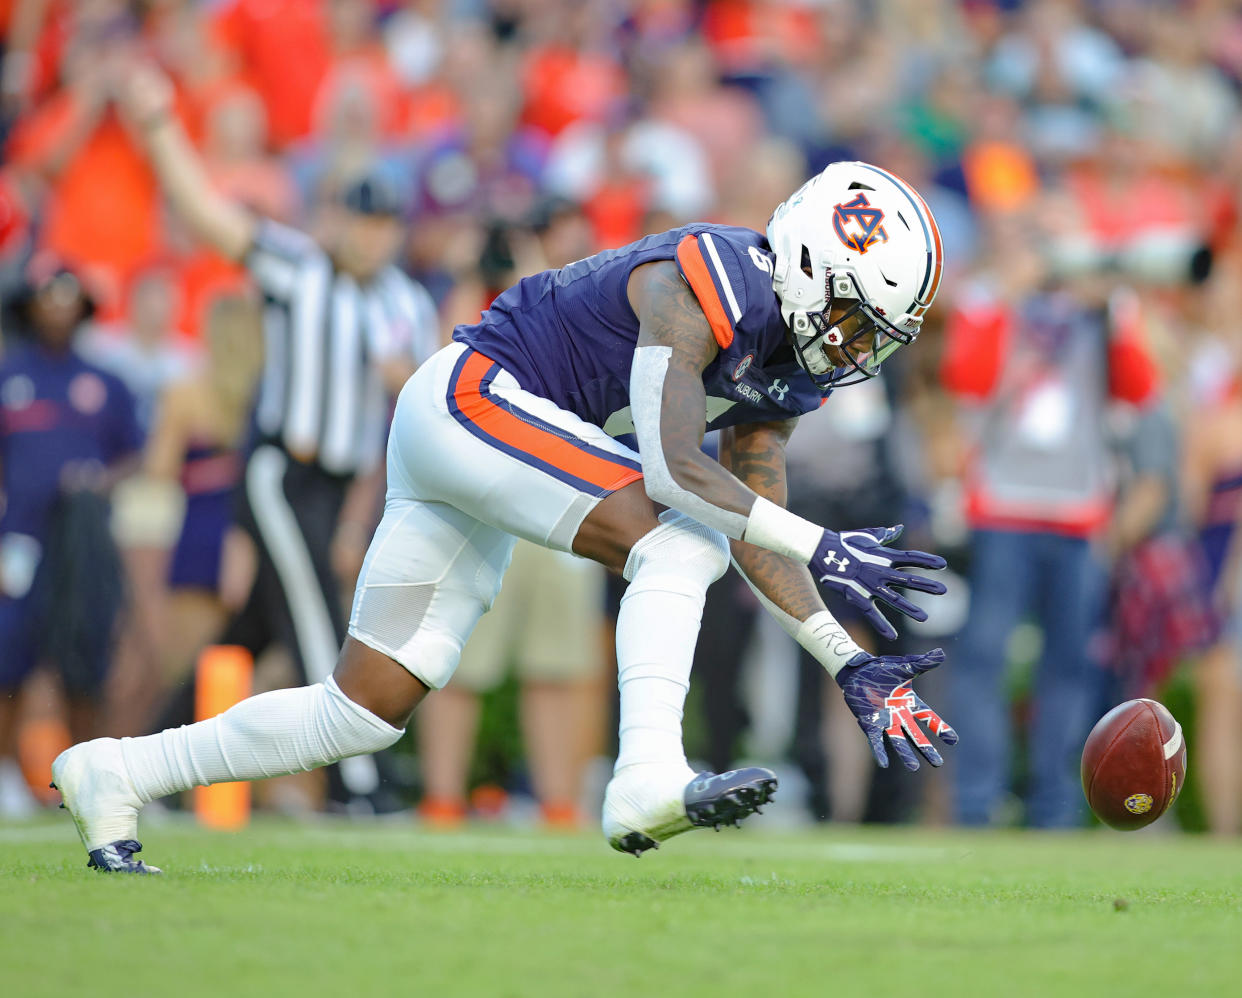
[868, 219]
[779, 390]
[831, 559]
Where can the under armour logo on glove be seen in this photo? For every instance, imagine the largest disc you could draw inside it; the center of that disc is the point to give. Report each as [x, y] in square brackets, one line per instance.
[831, 560]
[879, 693]
[856, 564]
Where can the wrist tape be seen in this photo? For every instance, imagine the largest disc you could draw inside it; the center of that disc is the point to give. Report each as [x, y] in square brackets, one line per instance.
[772, 527]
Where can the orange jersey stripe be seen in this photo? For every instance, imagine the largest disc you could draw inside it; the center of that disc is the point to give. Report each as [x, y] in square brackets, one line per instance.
[695, 268]
[547, 447]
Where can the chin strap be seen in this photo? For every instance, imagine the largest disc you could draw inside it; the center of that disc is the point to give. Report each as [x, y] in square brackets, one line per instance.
[820, 330]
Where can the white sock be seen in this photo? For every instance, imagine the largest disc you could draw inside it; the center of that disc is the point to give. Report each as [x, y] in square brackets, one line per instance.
[285, 731]
[657, 627]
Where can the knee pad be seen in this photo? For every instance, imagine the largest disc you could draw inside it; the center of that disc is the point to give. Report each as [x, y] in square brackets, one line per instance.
[430, 574]
[680, 546]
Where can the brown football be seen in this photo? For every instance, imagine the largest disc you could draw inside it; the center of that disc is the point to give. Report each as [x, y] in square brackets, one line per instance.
[1133, 764]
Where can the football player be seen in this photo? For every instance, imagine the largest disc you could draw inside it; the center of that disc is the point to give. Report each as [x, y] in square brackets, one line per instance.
[512, 430]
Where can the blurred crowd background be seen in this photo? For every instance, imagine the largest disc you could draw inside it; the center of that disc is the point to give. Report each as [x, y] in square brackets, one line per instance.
[1067, 429]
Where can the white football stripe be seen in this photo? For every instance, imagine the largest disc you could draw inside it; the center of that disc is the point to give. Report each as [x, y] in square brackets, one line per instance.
[724, 278]
[1174, 743]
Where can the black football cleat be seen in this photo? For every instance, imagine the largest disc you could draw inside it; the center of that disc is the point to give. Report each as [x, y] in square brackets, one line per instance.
[118, 857]
[716, 799]
[647, 804]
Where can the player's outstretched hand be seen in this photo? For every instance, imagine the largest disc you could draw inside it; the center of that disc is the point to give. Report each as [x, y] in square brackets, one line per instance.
[877, 690]
[856, 564]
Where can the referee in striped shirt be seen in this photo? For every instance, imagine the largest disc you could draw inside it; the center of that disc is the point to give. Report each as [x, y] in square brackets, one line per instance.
[343, 328]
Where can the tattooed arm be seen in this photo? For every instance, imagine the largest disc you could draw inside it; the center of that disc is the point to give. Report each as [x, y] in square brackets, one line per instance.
[755, 453]
[668, 402]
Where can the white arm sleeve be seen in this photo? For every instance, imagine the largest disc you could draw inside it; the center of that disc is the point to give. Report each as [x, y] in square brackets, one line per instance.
[646, 397]
[767, 525]
[819, 634]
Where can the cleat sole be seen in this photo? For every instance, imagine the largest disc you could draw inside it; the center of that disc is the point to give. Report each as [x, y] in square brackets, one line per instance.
[635, 843]
[730, 808]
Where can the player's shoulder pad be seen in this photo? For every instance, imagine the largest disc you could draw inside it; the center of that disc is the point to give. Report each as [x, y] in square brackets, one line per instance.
[729, 273]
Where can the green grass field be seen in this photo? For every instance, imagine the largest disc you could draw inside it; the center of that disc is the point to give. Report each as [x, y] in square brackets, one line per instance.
[343, 909]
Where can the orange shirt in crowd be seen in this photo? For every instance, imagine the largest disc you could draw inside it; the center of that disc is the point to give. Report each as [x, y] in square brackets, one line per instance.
[563, 85]
[202, 277]
[1000, 176]
[370, 69]
[282, 49]
[616, 211]
[102, 211]
[749, 35]
[430, 110]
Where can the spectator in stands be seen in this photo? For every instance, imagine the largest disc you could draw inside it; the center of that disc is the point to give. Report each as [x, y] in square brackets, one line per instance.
[147, 353]
[1036, 363]
[1160, 609]
[281, 47]
[76, 144]
[569, 73]
[725, 121]
[145, 350]
[68, 433]
[1162, 612]
[234, 144]
[1212, 489]
[196, 445]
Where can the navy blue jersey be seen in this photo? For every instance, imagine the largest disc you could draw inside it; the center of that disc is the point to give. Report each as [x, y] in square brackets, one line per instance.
[55, 409]
[568, 335]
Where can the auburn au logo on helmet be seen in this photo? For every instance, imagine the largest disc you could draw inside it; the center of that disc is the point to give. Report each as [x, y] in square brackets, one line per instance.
[868, 219]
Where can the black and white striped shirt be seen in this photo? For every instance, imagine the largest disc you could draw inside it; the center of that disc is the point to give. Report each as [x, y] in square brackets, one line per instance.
[320, 394]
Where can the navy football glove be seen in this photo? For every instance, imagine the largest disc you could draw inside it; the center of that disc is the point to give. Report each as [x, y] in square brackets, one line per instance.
[877, 690]
[855, 564]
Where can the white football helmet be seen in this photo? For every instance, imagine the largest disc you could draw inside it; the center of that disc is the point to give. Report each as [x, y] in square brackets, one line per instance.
[858, 236]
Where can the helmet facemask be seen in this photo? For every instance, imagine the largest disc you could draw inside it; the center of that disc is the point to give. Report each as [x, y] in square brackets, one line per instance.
[862, 336]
